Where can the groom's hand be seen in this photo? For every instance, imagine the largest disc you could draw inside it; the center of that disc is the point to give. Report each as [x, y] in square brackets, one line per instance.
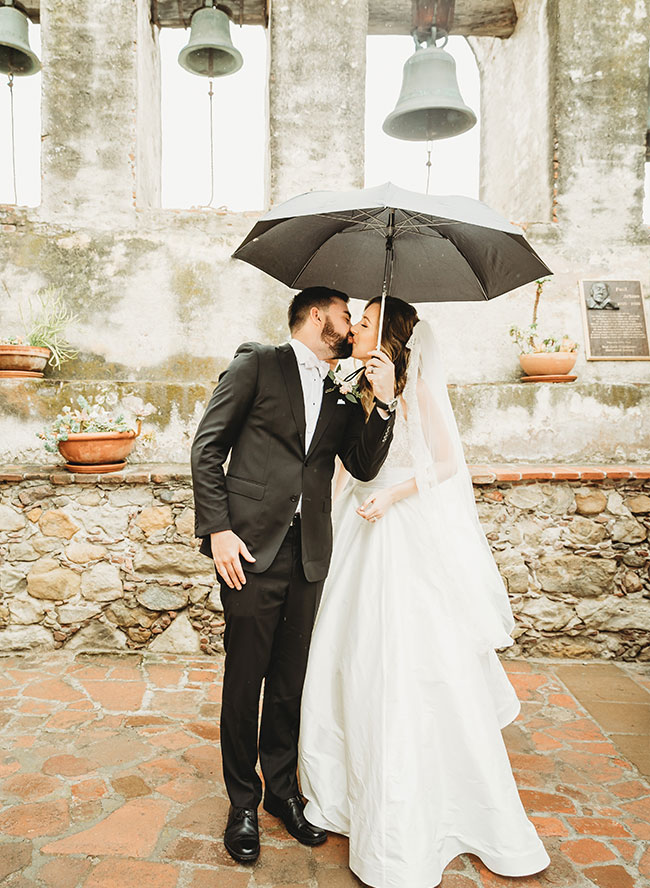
[226, 549]
[380, 373]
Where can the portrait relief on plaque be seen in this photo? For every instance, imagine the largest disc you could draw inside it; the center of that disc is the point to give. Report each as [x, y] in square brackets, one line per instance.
[613, 314]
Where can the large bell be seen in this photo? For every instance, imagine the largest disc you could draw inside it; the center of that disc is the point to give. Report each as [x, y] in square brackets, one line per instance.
[16, 56]
[430, 105]
[209, 51]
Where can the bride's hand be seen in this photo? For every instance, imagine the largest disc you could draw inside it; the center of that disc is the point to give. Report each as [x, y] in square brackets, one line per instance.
[376, 505]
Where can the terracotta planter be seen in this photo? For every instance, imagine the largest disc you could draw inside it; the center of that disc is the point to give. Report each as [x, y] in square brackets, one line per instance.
[548, 363]
[16, 360]
[99, 449]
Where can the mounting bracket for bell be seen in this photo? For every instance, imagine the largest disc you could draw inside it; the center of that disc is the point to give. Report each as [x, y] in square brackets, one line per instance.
[432, 20]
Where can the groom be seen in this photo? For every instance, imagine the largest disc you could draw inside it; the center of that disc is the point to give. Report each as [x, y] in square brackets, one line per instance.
[266, 524]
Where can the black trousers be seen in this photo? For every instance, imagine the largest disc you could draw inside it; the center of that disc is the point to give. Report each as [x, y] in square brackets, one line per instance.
[268, 630]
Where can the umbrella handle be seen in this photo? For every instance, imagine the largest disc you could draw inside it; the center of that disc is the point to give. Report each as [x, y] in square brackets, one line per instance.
[388, 274]
[382, 310]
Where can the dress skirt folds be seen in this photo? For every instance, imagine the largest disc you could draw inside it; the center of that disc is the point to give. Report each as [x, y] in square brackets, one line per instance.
[400, 743]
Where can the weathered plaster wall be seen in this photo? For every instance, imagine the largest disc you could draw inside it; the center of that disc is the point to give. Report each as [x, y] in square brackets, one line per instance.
[509, 422]
[161, 304]
[316, 95]
[100, 112]
[600, 92]
[516, 164]
[485, 353]
[564, 107]
[148, 115]
[162, 308]
[160, 299]
[564, 103]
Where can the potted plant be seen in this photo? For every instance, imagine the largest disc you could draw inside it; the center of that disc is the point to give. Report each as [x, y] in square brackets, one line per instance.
[544, 359]
[98, 434]
[44, 341]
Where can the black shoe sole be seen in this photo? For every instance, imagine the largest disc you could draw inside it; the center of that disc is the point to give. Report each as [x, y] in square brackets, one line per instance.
[303, 841]
[241, 858]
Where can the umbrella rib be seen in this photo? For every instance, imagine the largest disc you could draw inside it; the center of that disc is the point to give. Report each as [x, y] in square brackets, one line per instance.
[361, 216]
[410, 224]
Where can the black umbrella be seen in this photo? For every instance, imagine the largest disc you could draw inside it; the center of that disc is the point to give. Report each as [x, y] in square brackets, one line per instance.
[422, 248]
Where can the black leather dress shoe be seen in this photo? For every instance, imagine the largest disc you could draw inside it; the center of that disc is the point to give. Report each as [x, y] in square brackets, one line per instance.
[242, 837]
[290, 812]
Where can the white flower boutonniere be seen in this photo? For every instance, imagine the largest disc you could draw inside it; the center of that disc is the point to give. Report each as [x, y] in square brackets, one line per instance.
[345, 384]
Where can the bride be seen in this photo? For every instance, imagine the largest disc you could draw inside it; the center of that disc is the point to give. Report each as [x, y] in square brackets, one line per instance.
[405, 698]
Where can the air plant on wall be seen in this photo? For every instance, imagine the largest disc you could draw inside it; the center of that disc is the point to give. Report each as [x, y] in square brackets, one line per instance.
[44, 329]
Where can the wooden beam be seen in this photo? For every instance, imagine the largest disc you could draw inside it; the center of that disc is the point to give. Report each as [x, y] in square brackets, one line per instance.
[477, 18]
[177, 13]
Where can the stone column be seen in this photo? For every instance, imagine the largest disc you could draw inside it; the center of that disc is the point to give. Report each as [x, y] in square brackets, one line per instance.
[516, 132]
[564, 104]
[600, 89]
[100, 111]
[316, 96]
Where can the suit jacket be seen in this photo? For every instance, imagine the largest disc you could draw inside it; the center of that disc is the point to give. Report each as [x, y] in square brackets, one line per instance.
[256, 416]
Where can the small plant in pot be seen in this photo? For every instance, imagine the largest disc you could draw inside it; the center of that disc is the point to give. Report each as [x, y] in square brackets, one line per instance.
[549, 358]
[44, 341]
[98, 434]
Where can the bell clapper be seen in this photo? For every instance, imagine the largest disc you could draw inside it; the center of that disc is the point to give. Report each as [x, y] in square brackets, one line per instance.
[429, 149]
[10, 84]
[211, 96]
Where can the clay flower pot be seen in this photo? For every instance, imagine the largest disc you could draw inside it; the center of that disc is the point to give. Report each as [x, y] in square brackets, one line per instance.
[23, 360]
[97, 451]
[548, 363]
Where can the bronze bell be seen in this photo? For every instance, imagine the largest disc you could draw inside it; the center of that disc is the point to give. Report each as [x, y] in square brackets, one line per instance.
[16, 56]
[430, 105]
[209, 51]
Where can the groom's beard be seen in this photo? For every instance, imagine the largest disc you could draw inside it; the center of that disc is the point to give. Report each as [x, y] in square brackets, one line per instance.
[341, 346]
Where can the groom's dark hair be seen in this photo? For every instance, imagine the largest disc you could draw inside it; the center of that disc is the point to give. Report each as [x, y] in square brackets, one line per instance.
[303, 302]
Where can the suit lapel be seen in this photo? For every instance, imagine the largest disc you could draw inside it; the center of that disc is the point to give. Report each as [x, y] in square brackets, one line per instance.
[289, 366]
[331, 395]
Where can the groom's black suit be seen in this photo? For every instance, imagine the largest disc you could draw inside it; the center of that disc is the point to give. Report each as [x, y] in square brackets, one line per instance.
[256, 415]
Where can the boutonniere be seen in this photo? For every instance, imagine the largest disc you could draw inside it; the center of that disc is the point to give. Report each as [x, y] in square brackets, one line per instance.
[345, 384]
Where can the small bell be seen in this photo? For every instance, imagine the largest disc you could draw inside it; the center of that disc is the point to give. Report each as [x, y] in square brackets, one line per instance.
[430, 105]
[209, 51]
[16, 56]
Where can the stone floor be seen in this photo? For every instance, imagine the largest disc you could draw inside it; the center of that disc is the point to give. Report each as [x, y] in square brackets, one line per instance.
[110, 777]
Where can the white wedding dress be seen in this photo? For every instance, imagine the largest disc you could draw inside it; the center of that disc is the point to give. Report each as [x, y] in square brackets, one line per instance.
[403, 703]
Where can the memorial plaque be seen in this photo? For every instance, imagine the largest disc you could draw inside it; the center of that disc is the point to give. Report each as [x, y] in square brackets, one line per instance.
[614, 318]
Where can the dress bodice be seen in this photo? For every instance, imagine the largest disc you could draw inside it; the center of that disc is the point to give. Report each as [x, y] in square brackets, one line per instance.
[400, 455]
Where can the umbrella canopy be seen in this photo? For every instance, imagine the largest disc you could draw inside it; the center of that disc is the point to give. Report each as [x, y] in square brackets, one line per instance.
[421, 248]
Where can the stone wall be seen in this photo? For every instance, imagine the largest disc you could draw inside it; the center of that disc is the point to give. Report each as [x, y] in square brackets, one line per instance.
[110, 562]
[574, 557]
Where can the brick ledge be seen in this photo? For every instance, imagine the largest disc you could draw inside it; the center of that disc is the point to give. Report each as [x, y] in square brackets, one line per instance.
[481, 474]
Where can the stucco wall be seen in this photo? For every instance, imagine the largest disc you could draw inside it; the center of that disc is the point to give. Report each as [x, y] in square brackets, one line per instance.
[162, 306]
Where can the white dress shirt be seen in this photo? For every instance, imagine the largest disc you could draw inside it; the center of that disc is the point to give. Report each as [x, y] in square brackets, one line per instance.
[312, 373]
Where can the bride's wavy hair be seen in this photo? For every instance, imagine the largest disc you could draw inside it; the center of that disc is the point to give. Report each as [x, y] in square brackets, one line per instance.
[399, 320]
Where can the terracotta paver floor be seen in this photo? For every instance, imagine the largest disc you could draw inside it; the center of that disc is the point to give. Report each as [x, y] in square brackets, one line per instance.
[110, 777]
